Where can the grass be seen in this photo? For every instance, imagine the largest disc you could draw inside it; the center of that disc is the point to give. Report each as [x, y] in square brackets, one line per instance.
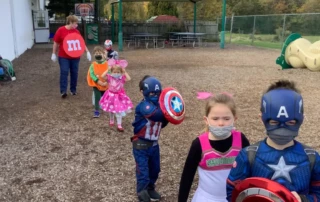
[261, 40]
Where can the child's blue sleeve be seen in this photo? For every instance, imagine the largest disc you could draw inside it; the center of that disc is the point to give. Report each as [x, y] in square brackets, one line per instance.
[314, 190]
[240, 171]
[152, 112]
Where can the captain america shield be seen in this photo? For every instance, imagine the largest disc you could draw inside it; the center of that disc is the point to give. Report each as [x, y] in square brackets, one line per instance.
[172, 105]
[257, 189]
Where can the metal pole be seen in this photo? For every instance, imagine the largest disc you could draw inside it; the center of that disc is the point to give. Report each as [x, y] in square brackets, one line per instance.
[194, 16]
[231, 27]
[120, 34]
[253, 30]
[283, 28]
[223, 24]
[99, 22]
[112, 21]
[96, 9]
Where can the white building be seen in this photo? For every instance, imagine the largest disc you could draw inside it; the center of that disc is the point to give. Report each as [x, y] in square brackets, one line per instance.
[17, 33]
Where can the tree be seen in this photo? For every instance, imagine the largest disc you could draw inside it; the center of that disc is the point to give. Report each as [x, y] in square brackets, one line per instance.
[310, 6]
[247, 7]
[131, 11]
[185, 10]
[162, 8]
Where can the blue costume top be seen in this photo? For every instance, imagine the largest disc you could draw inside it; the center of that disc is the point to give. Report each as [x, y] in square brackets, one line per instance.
[289, 167]
[149, 119]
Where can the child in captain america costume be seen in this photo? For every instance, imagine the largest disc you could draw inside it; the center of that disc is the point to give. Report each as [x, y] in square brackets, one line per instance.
[280, 157]
[148, 122]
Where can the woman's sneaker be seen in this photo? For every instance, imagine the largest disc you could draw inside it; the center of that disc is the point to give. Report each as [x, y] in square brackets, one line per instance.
[63, 95]
[154, 195]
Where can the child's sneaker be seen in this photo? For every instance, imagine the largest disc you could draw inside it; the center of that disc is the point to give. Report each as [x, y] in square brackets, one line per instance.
[143, 196]
[120, 129]
[154, 195]
[96, 114]
[111, 123]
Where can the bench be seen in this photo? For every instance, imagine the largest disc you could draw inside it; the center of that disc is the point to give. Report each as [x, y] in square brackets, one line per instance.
[192, 39]
[173, 40]
[128, 41]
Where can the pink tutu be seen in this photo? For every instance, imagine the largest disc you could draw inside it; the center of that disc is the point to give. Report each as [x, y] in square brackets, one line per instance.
[115, 99]
[116, 102]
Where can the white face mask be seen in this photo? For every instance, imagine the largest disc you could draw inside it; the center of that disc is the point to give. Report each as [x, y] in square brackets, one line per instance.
[221, 132]
[116, 75]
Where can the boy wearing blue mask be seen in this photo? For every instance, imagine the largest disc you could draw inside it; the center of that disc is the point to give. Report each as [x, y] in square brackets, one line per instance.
[280, 157]
[148, 122]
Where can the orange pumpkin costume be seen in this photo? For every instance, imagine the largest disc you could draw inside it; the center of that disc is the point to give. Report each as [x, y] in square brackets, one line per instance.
[94, 75]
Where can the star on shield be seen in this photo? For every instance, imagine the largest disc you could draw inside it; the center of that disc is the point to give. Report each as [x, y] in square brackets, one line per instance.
[177, 104]
[282, 169]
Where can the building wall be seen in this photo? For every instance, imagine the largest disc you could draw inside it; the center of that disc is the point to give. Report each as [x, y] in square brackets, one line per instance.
[16, 21]
[23, 25]
[6, 39]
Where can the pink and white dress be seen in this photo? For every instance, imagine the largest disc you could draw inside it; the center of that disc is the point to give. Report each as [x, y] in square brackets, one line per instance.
[115, 99]
[214, 169]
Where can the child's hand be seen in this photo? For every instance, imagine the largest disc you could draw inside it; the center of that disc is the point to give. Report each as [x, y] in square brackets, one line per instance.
[102, 83]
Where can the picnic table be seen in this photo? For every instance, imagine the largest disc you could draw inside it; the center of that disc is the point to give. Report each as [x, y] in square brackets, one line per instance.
[187, 37]
[145, 38]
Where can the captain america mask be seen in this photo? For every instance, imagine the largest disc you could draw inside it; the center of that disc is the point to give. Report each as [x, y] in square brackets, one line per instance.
[152, 89]
[282, 109]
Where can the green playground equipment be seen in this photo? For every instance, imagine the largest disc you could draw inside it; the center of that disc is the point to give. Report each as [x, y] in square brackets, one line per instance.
[281, 59]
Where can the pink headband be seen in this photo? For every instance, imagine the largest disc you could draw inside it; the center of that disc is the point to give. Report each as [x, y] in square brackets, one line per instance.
[121, 63]
[206, 95]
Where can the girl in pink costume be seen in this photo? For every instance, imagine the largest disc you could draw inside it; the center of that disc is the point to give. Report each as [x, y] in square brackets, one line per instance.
[115, 101]
[213, 152]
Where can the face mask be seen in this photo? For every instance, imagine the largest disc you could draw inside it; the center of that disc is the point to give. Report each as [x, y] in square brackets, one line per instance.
[221, 132]
[116, 75]
[282, 136]
[153, 98]
[98, 57]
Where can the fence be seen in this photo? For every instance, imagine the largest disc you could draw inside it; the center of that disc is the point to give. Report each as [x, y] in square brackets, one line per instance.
[271, 30]
[128, 28]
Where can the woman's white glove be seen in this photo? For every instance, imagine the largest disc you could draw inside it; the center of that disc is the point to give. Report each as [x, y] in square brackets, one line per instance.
[88, 56]
[53, 57]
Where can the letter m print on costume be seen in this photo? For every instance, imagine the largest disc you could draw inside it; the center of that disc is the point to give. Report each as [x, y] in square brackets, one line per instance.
[73, 45]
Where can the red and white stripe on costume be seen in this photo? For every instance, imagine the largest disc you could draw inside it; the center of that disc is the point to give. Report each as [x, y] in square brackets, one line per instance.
[151, 131]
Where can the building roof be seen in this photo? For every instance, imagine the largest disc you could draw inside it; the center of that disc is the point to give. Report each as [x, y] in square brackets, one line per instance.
[164, 19]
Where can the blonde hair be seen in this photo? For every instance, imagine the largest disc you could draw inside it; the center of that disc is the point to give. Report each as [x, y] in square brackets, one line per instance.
[221, 98]
[71, 19]
[117, 67]
[98, 49]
